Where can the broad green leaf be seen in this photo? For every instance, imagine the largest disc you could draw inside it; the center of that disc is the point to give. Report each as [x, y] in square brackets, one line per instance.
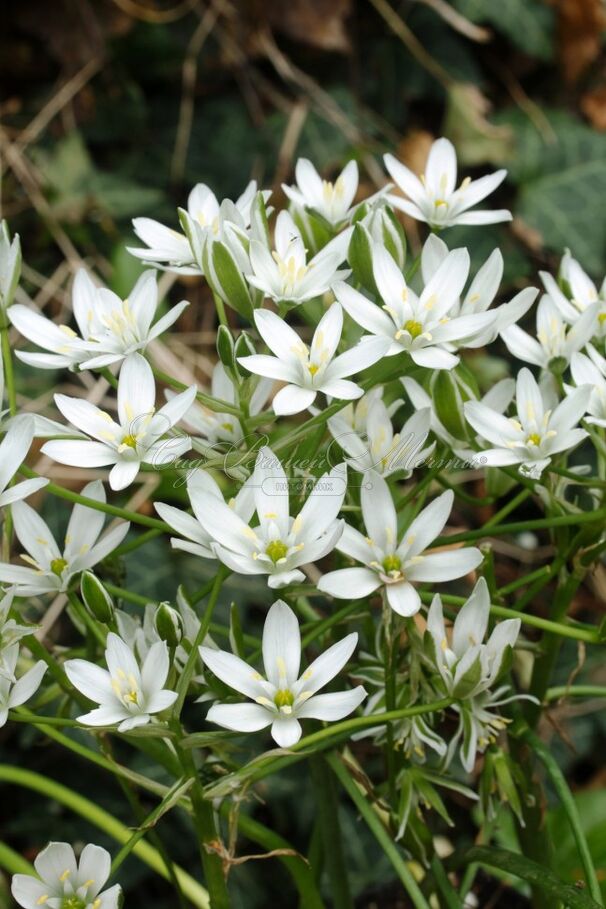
[592, 811]
[536, 875]
[567, 210]
[529, 24]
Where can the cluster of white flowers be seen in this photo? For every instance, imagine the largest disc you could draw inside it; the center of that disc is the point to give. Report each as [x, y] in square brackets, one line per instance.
[337, 267]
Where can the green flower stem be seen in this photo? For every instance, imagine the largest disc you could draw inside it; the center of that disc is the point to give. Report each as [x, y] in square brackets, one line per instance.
[327, 808]
[206, 831]
[568, 804]
[389, 671]
[112, 510]
[299, 870]
[565, 520]
[544, 573]
[140, 540]
[94, 757]
[544, 664]
[508, 508]
[214, 404]
[171, 796]
[100, 818]
[575, 691]
[93, 628]
[188, 669]
[23, 716]
[568, 629]
[14, 863]
[129, 595]
[7, 361]
[220, 307]
[382, 836]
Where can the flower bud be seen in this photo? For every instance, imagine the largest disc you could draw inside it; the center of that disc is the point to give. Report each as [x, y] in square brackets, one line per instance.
[169, 624]
[225, 347]
[10, 265]
[96, 598]
[244, 346]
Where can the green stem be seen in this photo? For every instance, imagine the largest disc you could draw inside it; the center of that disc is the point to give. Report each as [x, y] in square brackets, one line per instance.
[214, 404]
[565, 520]
[106, 822]
[112, 510]
[328, 815]
[382, 836]
[7, 360]
[190, 665]
[318, 741]
[544, 664]
[575, 691]
[568, 804]
[507, 508]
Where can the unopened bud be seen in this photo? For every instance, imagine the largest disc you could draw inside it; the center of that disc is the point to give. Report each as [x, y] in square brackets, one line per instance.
[96, 598]
[169, 624]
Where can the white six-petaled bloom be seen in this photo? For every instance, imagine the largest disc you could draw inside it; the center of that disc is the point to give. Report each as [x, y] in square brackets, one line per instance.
[278, 545]
[13, 449]
[282, 697]
[169, 249]
[467, 665]
[377, 447]
[556, 339]
[469, 668]
[542, 428]
[285, 274]
[331, 200]
[434, 197]
[481, 292]
[591, 371]
[52, 568]
[394, 566]
[313, 369]
[138, 437]
[420, 325]
[126, 693]
[110, 328]
[14, 692]
[580, 294]
[64, 883]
